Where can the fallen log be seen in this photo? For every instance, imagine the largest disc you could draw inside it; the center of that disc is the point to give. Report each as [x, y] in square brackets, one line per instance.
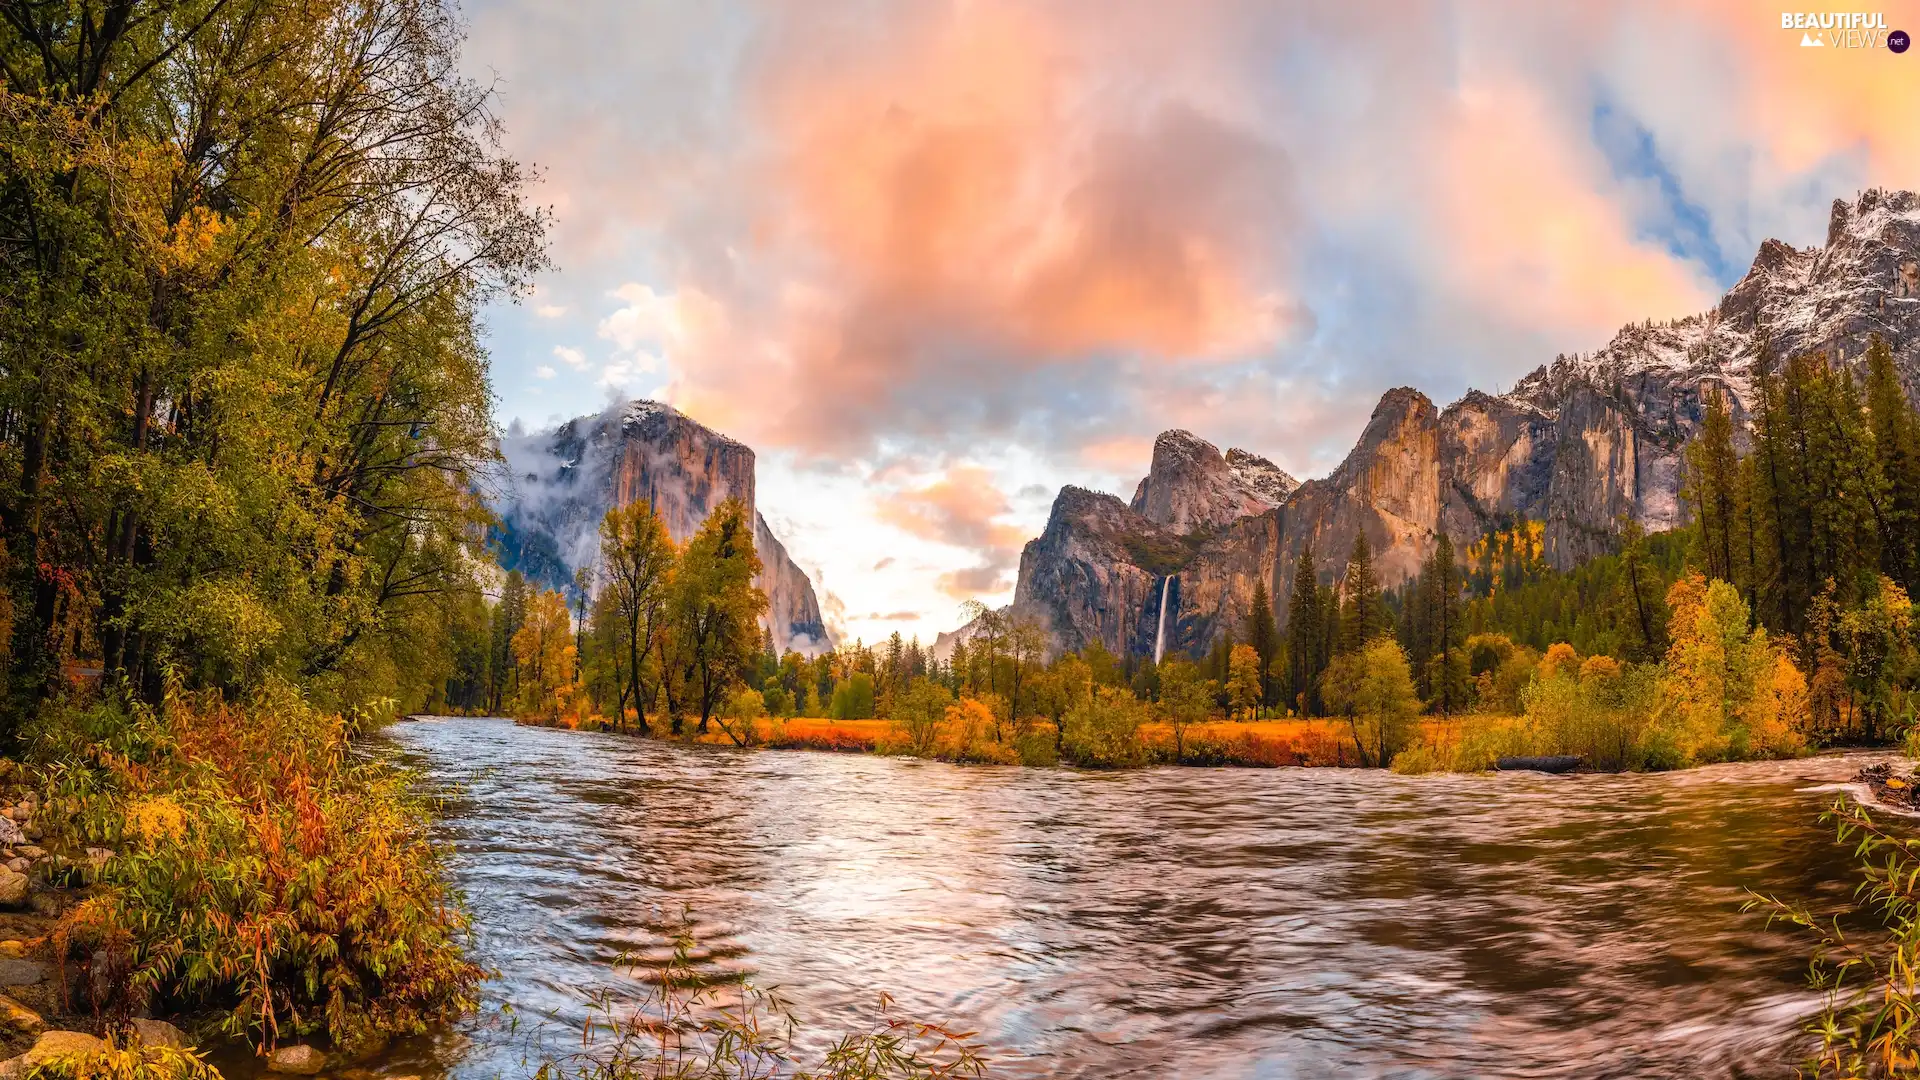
[1559, 763]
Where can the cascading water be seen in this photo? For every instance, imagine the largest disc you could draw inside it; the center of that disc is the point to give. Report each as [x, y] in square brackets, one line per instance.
[1160, 634]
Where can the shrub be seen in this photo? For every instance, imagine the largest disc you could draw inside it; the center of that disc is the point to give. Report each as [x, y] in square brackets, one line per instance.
[1104, 730]
[116, 1062]
[264, 870]
[968, 735]
[740, 715]
[917, 714]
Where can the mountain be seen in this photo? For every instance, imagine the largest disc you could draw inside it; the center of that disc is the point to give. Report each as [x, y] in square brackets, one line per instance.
[560, 484]
[1191, 486]
[1576, 445]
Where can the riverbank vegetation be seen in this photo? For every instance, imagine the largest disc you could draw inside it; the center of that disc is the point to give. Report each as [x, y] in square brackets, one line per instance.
[244, 424]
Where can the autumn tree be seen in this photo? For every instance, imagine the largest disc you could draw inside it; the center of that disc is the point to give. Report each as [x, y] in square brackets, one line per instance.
[544, 648]
[1243, 678]
[715, 608]
[1185, 700]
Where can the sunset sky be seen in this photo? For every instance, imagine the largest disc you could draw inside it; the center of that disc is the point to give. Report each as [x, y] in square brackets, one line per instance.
[934, 259]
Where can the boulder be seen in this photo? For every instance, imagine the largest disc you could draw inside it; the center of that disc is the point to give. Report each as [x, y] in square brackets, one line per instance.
[50, 1045]
[297, 1060]
[17, 1017]
[13, 888]
[19, 972]
[159, 1033]
[11, 834]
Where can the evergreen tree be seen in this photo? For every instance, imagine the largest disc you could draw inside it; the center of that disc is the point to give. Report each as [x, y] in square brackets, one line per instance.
[1264, 636]
[1306, 630]
[1365, 614]
[1896, 445]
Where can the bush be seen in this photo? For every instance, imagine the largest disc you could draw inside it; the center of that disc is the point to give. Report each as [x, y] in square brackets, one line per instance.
[264, 870]
[1104, 730]
[116, 1062]
[917, 714]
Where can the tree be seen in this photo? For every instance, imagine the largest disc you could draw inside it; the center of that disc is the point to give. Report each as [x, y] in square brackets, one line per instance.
[1713, 491]
[1374, 689]
[1185, 699]
[507, 619]
[853, 697]
[545, 651]
[1243, 678]
[1435, 630]
[1026, 642]
[1264, 637]
[714, 607]
[637, 557]
[244, 396]
[1305, 632]
[1365, 617]
[989, 638]
[917, 713]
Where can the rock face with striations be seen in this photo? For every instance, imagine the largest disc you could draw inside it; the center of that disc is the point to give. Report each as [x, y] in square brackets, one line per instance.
[1576, 445]
[561, 484]
[1191, 486]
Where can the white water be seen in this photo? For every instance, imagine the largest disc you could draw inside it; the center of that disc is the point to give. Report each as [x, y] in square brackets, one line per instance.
[1160, 634]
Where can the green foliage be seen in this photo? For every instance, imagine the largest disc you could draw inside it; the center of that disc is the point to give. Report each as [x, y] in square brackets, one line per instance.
[1186, 698]
[1374, 689]
[243, 399]
[264, 870]
[917, 714]
[713, 612]
[1868, 1027]
[1590, 607]
[853, 697]
[1103, 731]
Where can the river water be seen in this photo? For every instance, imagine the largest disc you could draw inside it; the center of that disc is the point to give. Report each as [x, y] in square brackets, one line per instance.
[1157, 923]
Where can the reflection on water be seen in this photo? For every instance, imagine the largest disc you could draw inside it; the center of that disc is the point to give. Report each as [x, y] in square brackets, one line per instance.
[1168, 922]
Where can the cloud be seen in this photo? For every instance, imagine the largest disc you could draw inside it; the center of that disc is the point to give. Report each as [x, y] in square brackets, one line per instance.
[883, 563]
[962, 509]
[890, 616]
[544, 371]
[571, 357]
[880, 239]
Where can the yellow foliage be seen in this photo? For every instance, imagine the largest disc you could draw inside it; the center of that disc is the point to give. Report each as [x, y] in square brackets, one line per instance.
[157, 819]
[1560, 656]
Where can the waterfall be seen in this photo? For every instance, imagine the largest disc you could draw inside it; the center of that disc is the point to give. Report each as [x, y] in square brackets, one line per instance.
[1160, 635]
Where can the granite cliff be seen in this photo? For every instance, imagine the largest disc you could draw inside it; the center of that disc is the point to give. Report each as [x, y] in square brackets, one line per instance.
[1577, 445]
[560, 485]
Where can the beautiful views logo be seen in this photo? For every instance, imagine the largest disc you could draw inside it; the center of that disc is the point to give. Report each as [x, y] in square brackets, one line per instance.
[1841, 29]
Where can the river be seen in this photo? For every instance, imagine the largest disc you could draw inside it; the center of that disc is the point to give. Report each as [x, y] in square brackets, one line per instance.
[1157, 923]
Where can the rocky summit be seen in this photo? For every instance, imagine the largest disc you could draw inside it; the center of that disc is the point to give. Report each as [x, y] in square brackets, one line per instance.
[560, 485]
[1576, 445]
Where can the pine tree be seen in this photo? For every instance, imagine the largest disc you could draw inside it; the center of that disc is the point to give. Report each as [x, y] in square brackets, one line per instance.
[1713, 470]
[1896, 446]
[1264, 637]
[1305, 633]
[1365, 614]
